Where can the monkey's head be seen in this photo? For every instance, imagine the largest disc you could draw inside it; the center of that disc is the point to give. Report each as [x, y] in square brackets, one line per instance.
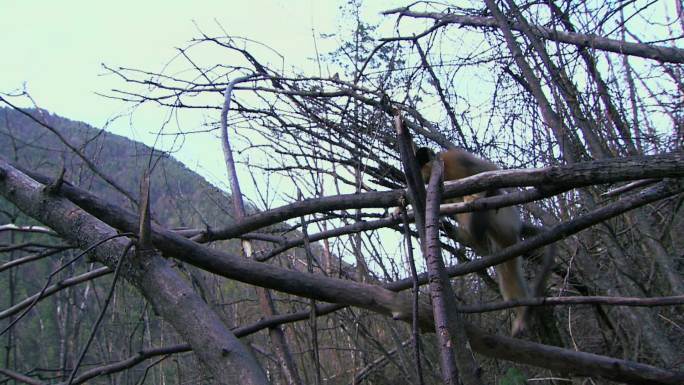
[424, 155]
[424, 158]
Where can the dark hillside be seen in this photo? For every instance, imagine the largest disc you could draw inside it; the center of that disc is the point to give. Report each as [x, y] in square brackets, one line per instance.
[180, 197]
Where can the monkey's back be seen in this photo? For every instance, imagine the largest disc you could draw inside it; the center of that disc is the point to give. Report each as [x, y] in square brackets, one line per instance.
[460, 164]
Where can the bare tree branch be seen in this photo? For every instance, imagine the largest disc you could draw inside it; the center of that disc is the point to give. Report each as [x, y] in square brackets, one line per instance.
[647, 51]
[63, 284]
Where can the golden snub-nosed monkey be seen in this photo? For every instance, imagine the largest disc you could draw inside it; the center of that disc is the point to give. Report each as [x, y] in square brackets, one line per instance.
[485, 231]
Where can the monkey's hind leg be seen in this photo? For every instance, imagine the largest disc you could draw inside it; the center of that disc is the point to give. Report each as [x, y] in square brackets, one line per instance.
[513, 286]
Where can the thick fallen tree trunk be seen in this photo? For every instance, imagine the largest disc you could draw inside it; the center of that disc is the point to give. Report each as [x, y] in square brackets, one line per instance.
[223, 354]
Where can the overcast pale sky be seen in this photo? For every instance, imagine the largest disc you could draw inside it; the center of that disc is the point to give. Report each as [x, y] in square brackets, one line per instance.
[55, 49]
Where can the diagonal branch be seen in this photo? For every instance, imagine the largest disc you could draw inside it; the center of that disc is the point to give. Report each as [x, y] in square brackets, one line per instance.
[63, 284]
[576, 175]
